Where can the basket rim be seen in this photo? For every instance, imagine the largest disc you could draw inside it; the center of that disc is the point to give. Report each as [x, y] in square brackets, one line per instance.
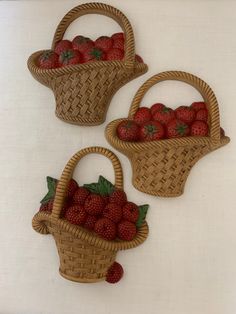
[110, 133]
[41, 219]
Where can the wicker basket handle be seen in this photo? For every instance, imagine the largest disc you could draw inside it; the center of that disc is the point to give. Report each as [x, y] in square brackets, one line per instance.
[203, 88]
[103, 9]
[69, 169]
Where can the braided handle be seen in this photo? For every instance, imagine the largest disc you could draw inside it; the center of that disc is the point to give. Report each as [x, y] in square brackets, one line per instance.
[203, 88]
[103, 9]
[69, 169]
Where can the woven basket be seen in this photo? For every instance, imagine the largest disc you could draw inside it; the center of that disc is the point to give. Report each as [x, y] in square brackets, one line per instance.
[84, 257]
[83, 92]
[162, 167]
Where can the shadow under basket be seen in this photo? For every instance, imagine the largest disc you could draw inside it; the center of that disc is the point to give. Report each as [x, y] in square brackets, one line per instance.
[83, 92]
[161, 167]
[84, 257]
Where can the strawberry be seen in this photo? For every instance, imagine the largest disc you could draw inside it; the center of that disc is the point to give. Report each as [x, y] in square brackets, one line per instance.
[138, 59]
[68, 57]
[142, 115]
[63, 45]
[115, 54]
[46, 207]
[128, 130]
[156, 107]
[199, 128]
[104, 42]
[119, 43]
[94, 54]
[151, 131]
[202, 115]
[48, 60]
[82, 43]
[106, 199]
[80, 195]
[126, 230]
[90, 222]
[118, 36]
[164, 115]
[222, 132]
[198, 105]
[118, 197]
[105, 228]
[94, 204]
[177, 128]
[76, 215]
[185, 114]
[72, 187]
[114, 273]
[113, 212]
[130, 212]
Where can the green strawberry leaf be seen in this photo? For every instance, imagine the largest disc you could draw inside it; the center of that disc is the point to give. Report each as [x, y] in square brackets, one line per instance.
[52, 184]
[142, 215]
[92, 187]
[105, 186]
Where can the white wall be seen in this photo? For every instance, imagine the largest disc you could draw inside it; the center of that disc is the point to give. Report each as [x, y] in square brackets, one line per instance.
[187, 266]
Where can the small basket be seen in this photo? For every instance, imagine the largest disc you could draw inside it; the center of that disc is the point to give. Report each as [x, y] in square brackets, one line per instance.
[83, 92]
[162, 167]
[84, 257]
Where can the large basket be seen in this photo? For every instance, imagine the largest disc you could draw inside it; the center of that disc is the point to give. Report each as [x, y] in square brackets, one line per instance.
[84, 257]
[83, 92]
[162, 167]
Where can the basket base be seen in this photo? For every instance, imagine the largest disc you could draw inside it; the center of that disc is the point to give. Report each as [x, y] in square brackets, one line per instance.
[82, 123]
[154, 193]
[78, 279]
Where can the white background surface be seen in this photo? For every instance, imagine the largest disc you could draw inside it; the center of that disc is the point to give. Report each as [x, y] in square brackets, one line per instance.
[187, 266]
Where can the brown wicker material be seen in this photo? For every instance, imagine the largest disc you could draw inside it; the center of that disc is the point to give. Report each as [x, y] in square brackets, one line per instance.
[84, 257]
[83, 92]
[162, 167]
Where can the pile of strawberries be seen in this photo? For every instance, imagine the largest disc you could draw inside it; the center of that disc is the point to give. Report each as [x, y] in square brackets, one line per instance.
[99, 208]
[83, 49]
[160, 122]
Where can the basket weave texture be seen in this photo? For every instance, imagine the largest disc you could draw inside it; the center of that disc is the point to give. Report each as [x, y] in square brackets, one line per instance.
[84, 257]
[83, 92]
[161, 167]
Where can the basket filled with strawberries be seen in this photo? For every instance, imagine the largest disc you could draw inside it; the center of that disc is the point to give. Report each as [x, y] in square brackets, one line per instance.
[90, 223]
[84, 74]
[163, 144]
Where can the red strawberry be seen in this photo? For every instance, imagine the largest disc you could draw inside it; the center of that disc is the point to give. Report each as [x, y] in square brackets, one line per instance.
[94, 204]
[106, 199]
[198, 105]
[130, 212]
[177, 128]
[114, 273]
[199, 128]
[164, 116]
[118, 197]
[80, 195]
[222, 132]
[48, 60]
[104, 42]
[46, 206]
[63, 45]
[113, 212]
[94, 54]
[151, 131]
[126, 230]
[185, 114]
[76, 215]
[69, 57]
[202, 115]
[105, 228]
[119, 43]
[118, 36]
[90, 222]
[138, 59]
[142, 115]
[156, 107]
[82, 43]
[128, 130]
[72, 187]
[115, 54]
